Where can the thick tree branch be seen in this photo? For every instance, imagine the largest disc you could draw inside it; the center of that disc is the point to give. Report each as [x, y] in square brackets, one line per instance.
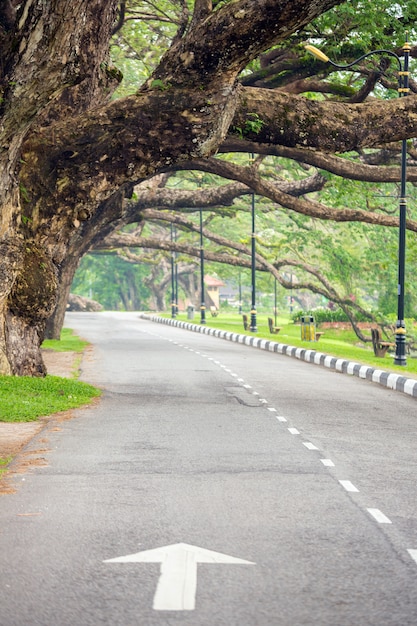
[309, 207]
[294, 121]
[353, 170]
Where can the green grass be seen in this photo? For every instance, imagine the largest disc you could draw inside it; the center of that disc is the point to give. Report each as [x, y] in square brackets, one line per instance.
[24, 399]
[335, 342]
[68, 342]
[3, 465]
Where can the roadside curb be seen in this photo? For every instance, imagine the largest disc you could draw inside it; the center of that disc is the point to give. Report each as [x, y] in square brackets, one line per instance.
[396, 382]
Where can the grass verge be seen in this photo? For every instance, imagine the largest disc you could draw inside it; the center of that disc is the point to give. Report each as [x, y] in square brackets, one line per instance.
[25, 399]
[3, 465]
[342, 344]
[68, 342]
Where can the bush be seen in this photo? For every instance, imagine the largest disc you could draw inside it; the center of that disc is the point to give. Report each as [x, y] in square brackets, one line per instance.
[327, 315]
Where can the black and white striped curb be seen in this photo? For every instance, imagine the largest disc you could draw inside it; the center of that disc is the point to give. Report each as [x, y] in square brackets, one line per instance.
[395, 382]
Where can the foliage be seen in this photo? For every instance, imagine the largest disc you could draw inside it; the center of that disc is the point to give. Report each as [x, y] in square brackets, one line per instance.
[326, 315]
[137, 48]
[108, 279]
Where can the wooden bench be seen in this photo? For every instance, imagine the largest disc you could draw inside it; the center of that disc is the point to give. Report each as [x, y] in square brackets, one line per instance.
[318, 335]
[214, 312]
[380, 347]
[245, 322]
[274, 330]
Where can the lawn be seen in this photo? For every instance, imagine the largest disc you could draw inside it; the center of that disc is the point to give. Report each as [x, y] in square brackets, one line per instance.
[335, 342]
[25, 399]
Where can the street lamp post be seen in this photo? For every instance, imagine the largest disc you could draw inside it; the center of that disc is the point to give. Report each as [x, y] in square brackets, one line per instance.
[403, 89]
[173, 308]
[275, 301]
[202, 303]
[253, 327]
[240, 292]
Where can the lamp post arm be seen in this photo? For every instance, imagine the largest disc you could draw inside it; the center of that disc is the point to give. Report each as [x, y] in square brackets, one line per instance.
[323, 57]
[364, 56]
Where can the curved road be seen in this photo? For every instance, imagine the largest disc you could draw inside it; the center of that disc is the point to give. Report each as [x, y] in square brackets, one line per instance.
[215, 484]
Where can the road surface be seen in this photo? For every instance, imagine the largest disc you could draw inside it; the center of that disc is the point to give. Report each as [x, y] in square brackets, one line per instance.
[215, 484]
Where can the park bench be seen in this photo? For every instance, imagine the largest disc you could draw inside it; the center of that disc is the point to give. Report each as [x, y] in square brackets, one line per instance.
[274, 330]
[214, 311]
[380, 347]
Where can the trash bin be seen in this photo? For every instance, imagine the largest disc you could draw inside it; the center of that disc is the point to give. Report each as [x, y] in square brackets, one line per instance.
[190, 312]
[308, 328]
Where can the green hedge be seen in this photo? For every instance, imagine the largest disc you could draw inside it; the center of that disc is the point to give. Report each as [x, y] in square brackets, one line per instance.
[327, 315]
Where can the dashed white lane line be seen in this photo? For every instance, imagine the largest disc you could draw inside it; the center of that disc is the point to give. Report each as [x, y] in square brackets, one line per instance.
[294, 431]
[281, 418]
[327, 462]
[413, 554]
[263, 401]
[247, 386]
[379, 516]
[270, 408]
[346, 484]
[255, 393]
[309, 445]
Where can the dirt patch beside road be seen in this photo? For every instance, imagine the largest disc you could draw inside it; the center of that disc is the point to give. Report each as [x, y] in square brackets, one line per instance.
[15, 436]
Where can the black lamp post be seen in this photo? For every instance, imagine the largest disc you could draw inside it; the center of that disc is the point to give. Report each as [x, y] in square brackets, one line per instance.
[173, 308]
[253, 328]
[275, 301]
[202, 303]
[400, 331]
[240, 292]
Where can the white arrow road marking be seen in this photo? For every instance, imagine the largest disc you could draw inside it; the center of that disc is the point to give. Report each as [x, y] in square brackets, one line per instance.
[177, 583]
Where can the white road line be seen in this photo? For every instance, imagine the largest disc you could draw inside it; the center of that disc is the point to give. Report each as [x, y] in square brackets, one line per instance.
[309, 445]
[413, 554]
[327, 462]
[241, 380]
[294, 431]
[255, 393]
[379, 516]
[346, 484]
[281, 418]
[247, 386]
[270, 408]
[263, 401]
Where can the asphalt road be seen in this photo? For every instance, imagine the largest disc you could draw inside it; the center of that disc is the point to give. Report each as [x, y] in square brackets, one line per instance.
[286, 491]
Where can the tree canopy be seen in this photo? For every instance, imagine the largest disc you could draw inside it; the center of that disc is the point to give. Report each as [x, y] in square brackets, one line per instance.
[218, 77]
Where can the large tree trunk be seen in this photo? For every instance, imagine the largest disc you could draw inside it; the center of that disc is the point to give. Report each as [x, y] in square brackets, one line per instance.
[56, 321]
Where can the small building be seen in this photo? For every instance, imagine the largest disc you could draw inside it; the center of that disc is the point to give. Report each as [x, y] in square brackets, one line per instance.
[212, 291]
